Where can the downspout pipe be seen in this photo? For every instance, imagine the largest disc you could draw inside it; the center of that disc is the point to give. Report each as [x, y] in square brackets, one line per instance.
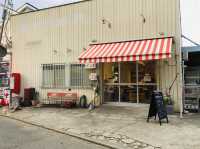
[179, 28]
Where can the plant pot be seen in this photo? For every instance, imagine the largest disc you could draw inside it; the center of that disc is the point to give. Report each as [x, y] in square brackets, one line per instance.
[34, 102]
[170, 109]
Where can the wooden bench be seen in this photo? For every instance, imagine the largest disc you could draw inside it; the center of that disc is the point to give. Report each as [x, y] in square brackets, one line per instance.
[67, 99]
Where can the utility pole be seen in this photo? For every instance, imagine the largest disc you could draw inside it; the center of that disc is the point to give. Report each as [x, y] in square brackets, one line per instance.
[3, 19]
[3, 50]
[7, 7]
[10, 4]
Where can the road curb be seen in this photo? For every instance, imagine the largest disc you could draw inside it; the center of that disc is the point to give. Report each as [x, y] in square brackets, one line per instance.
[101, 143]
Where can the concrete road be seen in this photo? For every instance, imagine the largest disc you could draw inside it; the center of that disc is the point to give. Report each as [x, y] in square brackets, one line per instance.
[17, 135]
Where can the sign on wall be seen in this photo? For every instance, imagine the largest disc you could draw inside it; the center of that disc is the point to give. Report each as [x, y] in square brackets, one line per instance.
[93, 76]
[90, 66]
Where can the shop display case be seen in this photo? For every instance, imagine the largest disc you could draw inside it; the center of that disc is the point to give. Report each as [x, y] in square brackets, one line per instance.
[4, 74]
[129, 82]
[4, 82]
[192, 88]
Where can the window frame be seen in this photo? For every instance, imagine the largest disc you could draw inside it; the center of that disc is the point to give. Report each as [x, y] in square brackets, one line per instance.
[83, 76]
[52, 83]
[67, 77]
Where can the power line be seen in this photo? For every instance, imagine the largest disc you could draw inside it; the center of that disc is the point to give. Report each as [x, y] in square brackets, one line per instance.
[8, 8]
[190, 40]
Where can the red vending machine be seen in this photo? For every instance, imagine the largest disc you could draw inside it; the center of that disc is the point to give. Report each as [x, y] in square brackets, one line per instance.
[15, 83]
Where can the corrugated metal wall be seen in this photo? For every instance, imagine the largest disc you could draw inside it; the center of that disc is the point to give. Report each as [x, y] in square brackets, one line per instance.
[37, 35]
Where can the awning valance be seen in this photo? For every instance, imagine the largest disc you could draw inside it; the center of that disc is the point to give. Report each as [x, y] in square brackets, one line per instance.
[140, 50]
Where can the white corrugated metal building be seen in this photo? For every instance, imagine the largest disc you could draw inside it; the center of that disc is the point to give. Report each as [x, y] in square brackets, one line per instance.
[48, 42]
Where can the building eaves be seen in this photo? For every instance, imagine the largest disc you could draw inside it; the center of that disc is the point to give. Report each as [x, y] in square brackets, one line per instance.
[27, 5]
[72, 3]
[191, 49]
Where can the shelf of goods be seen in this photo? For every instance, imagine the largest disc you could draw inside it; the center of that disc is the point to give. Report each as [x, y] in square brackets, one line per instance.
[4, 83]
[192, 88]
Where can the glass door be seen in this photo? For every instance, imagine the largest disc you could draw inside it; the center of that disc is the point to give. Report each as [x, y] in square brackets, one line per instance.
[128, 82]
[111, 82]
[146, 80]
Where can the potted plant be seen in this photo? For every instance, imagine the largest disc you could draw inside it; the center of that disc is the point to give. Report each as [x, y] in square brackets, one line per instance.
[168, 104]
[35, 100]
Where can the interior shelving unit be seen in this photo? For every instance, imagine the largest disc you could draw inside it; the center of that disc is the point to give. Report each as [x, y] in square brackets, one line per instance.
[4, 78]
[192, 88]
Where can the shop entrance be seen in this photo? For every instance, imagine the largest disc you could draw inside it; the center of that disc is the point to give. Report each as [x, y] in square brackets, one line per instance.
[128, 72]
[131, 82]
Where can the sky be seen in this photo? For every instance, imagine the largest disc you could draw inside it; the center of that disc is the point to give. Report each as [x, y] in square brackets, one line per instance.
[190, 10]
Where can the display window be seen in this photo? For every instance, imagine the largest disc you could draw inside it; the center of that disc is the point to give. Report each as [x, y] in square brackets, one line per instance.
[129, 81]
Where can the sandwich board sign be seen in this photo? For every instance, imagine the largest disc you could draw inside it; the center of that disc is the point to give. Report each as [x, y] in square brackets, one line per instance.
[157, 107]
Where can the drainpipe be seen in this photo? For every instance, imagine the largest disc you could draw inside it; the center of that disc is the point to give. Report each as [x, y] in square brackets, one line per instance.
[179, 28]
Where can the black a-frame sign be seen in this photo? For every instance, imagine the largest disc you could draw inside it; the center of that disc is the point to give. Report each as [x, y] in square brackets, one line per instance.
[157, 107]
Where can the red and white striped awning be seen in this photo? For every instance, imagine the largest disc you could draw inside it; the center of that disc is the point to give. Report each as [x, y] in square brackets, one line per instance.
[140, 50]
